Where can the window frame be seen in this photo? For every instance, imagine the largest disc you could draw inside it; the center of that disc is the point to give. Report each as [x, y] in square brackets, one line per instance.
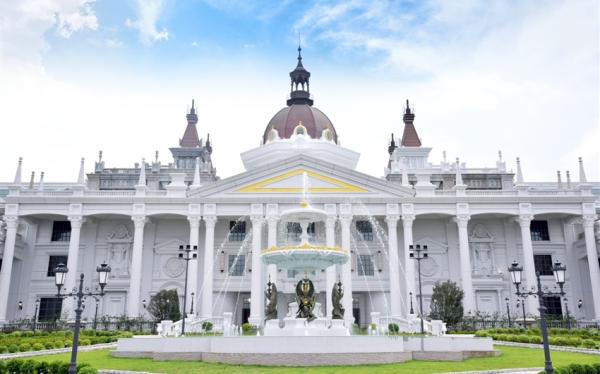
[539, 230]
[63, 235]
[364, 229]
[236, 268]
[361, 269]
[58, 259]
[237, 231]
[542, 266]
[50, 308]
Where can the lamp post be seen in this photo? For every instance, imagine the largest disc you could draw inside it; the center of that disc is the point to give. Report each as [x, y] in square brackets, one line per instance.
[521, 304]
[559, 276]
[508, 311]
[35, 314]
[19, 307]
[568, 315]
[60, 274]
[417, 253]
[96, 313]
[187, 255]
[412, 311]
[192, 307]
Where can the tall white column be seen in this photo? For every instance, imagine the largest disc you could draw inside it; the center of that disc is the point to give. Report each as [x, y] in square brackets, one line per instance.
[135, 282]
[206, 304]
[192, 284]
[462, 221]
[345, 222]
[330, 271]
[409, 264]
[12, 222]
[528, 263]
[256, 289]
[272, 242]
[592, 257]
[72, 261]
[396, 305]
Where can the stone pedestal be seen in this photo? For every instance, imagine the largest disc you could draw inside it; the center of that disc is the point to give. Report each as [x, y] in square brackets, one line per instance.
[295, 326]
[272, 328]
[317, 327]
[337, 328]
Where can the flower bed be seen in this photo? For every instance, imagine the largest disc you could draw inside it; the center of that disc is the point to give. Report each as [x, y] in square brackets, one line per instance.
[23, 341]
[584, 338]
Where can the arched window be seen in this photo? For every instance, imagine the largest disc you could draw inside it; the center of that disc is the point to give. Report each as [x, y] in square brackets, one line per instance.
[300, 129]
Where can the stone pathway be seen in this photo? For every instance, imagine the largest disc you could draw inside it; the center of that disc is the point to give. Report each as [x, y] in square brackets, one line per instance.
[82, 348]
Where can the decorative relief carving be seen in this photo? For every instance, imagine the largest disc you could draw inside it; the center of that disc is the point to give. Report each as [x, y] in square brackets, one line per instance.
[482, 246]
[174, 267]
[119, 243]
[429, 267]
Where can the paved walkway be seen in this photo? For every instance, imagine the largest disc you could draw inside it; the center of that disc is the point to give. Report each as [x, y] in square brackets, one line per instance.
[552, 347]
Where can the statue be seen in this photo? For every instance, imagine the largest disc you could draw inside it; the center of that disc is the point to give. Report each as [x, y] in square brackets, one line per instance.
[271, 297]
[336, 301]
[305, 297]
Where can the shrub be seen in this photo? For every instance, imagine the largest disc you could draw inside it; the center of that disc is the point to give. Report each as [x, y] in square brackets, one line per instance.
[24, 347]
[535, 339]
[37, 346]
[588, 343]
[14, 366]
[247, 327]
[3, 349]
[28, 367]
[55, 367]
[87, 370]
[2, 366]
[207, 326]
[393, 328]
[84, 342]
[12, 348]
[42, 367]
[68, 343]
[523, 338]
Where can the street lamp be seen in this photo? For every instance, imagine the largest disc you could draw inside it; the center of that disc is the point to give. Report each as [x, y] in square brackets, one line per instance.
[508, 311]
[412, 311]
[559, 271]
[187, 255]
[96, 313]
[60, 274]
[417, 253]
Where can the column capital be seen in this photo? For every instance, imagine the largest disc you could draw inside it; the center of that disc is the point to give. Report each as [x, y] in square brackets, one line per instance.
[407, 219]
[392, 219]
[256, 219]
[588, 220]
[139, 221]
[346, 219]
[11, 222]
[194, 220]
[462, 220]
[76, 221]
[210, 221]
[525, 220]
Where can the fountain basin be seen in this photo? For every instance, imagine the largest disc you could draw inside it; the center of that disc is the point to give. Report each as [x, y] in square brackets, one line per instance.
[304, 213]
[304, 256]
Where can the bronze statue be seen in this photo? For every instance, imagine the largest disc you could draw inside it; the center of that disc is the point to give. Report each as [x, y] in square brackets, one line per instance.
[271, 297]
[305, 297]
[336, 301]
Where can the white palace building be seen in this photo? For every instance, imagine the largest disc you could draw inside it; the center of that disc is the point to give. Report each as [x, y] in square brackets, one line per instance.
[474, 221]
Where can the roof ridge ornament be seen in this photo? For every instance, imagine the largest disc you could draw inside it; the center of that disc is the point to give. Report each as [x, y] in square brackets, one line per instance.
[18, 173]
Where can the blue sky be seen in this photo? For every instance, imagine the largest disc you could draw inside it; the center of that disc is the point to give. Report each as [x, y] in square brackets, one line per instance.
[78, 76]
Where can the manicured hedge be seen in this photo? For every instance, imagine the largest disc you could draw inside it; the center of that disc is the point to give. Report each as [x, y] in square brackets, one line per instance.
[589, 338]
[23, 341]
[577, 369]
[18, 366]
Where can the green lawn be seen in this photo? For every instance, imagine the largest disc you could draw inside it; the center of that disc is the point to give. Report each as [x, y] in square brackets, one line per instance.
[511, 358]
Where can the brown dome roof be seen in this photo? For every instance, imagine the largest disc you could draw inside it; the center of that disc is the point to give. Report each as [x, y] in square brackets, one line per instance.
[287, 119]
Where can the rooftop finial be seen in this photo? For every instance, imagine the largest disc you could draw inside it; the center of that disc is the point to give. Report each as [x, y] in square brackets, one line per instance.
[196, 182]
[156, 156]
[100, 156]
[519, 172]
[407, 107]
[559, 180]
[299, 49]
[582, 177]
[81, 176]
[499, 155]
[392, 146]
[18, 174]
[41, 185]
[568, 180]
[193, 110]
[459, 180]
[142, 180]
[32, 180]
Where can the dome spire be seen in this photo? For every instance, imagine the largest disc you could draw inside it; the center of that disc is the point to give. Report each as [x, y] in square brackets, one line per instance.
[299, 85]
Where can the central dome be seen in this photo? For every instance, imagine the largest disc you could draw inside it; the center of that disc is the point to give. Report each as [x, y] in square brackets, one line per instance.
[300, 117]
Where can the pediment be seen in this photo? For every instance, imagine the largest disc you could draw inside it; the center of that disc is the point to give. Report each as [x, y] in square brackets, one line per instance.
[302, 174]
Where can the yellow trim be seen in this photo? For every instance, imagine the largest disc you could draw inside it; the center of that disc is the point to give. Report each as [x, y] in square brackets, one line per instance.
[261, 187]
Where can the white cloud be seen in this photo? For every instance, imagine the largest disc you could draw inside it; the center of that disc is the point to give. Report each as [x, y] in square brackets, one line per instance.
[485, 74]
[149, 12]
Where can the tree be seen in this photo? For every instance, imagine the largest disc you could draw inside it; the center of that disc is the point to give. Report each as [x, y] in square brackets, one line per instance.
[165, 306]
[446, 302]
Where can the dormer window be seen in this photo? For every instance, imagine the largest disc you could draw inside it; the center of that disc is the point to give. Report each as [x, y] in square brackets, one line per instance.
[300, 129]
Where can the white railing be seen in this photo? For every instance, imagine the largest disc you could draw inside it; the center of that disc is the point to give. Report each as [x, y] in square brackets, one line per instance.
[109, 193]
[491, 192]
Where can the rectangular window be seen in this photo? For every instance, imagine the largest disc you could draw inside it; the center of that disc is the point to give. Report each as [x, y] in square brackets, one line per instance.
[61, 231]
[539, 230]
[553, 306]
[294, 231]
[365, 265]
[365, 230]
[237, 231]
[53, 262]
[543, 264]
[237, 265]
[50, 308]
